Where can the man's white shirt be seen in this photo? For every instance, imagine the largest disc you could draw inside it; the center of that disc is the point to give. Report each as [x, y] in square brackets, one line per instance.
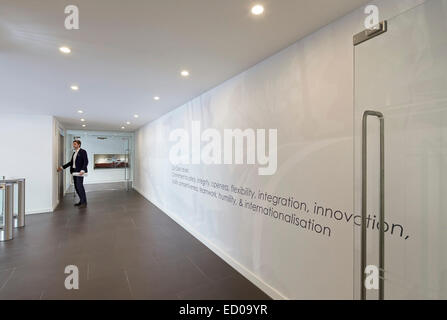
[74, 159]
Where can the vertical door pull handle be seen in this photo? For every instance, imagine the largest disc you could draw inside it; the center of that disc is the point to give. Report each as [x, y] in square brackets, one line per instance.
[378, 115]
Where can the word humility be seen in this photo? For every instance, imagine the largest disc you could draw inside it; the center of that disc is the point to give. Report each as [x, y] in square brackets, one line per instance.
[237, 146]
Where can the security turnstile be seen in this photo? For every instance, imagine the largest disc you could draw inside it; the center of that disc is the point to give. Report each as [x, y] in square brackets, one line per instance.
[19, 219]
[7, 221]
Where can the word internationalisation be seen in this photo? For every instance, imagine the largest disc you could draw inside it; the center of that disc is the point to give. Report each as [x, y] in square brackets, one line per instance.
[293, 219]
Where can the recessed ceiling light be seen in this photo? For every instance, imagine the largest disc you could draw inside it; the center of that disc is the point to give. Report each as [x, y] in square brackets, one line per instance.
[82, 120]
[257, 10]
[128, 122]
[65, 50]
[74, 87]
[80, 111]
[136, 116]
[123, 128]
[84, 125]
[185, 73]
[156, 98]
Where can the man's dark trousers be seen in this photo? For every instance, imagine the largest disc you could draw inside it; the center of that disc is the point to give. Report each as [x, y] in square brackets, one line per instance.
[81, 164]
[79, 187]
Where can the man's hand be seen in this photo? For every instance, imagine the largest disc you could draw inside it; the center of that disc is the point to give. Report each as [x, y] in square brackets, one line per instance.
[59, 169]
[81, 173]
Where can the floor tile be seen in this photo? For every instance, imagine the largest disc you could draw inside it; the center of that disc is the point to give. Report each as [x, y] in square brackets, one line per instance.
[124, 248]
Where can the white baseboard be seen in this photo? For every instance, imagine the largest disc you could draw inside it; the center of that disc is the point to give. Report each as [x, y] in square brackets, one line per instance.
[39, 211]
[55, 205]
[272, 292]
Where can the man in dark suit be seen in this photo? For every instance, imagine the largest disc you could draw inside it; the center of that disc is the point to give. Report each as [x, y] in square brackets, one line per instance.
[78, 164]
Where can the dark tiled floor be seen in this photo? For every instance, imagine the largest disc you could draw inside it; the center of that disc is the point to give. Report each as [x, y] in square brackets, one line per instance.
[124, 248]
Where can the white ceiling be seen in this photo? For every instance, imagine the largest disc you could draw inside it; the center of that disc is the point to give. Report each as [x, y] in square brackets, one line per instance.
[126, 52]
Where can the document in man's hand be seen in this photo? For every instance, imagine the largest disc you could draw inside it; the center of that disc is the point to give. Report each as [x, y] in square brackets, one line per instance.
[78, 174]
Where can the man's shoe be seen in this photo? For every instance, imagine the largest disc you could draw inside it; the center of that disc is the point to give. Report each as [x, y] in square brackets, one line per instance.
[82, 205]
[78, 204]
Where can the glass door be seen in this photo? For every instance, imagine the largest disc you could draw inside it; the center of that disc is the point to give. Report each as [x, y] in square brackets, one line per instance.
[2, 203]
[400, 248]
[110, 157]
[110, 153]
[127, 178]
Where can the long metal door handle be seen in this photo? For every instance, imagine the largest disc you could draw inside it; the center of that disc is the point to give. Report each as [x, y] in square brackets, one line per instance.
[379, 115]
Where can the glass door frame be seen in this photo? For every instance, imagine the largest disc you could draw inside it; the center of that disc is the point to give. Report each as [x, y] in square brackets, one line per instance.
[413, 112]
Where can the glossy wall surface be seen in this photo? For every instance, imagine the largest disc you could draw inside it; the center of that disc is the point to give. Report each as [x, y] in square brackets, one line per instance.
[305, 92]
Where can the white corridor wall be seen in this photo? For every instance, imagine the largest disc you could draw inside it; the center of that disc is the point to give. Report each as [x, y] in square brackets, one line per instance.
[27, 151]
[306, 93]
